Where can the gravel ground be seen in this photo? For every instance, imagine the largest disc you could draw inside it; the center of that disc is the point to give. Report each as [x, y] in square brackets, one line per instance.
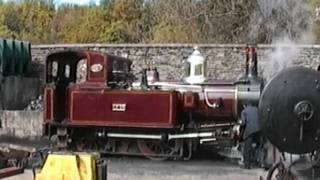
[141, 169]
[135, 168]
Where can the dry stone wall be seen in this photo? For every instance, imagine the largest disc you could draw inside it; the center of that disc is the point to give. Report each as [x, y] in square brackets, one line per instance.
[21, 124]
[225, 61]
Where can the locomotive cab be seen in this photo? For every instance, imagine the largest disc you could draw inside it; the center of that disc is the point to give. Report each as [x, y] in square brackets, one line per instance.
[61, 70]
[64, 69]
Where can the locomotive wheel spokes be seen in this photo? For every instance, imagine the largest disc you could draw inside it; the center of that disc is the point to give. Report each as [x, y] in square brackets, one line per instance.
[156, 149]
[280, 172]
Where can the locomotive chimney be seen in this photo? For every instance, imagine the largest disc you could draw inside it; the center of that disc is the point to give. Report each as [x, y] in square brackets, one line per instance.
[247, 61]
[249, 85]
[252, 63]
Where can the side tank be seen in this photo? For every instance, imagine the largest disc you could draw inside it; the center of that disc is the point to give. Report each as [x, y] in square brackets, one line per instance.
[215, 101]
[289, 110]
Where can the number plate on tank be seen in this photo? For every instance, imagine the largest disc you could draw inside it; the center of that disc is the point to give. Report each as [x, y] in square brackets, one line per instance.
[119, 107]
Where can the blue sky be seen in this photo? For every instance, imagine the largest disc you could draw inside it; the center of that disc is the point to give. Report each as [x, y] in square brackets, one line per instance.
[81, 2]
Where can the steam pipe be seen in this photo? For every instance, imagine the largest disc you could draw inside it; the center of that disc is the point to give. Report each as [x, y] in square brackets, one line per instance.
[251, 66]
[211, 105]
[253, 63]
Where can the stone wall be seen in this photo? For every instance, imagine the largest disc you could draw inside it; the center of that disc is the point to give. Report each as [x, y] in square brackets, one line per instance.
[225, 61]
[21, 124]
[17, 92]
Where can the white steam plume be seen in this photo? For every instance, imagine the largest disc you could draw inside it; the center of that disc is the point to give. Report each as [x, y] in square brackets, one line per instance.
[284, 24]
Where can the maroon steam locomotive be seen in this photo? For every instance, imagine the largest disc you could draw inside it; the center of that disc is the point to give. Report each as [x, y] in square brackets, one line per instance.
[109, 112]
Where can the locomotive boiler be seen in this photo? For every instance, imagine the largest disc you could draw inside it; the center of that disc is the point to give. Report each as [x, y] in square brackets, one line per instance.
[109, 112]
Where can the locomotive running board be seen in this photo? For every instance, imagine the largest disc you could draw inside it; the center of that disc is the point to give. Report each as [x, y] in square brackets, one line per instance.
[170, 136]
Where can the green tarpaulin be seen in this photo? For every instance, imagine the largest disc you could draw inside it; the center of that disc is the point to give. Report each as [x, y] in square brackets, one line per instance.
[15, 57]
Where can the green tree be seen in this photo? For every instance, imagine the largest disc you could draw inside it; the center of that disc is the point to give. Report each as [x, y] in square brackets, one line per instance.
[135, 21]
[315, 4]
[105, 3]
[36, 20]
[194, 21]
[27, 20]
[85, 27]
[125, 18]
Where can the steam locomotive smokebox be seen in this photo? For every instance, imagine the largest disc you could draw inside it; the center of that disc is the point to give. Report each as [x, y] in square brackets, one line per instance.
[289, 110]
[153, 109]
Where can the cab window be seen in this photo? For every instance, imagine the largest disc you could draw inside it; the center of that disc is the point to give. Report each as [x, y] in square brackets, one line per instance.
[81, 71]
[67, 71]
[54, 69]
